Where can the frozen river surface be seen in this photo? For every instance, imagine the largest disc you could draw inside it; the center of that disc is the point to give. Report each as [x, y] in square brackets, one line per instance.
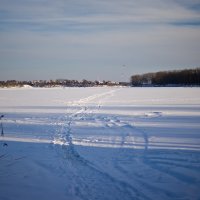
[100, 143]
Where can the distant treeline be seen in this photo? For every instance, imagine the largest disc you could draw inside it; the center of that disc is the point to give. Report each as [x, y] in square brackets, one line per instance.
[59, 83]
[187, 77]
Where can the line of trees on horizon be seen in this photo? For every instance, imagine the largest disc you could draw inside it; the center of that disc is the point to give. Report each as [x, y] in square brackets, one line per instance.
[60, 83]
[186, 77]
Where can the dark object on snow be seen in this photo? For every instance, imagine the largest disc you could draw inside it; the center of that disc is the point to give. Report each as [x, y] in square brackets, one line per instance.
[5, 144]
[2, 133]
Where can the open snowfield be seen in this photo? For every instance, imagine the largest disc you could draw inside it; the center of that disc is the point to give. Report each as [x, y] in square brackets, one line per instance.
[104, 143]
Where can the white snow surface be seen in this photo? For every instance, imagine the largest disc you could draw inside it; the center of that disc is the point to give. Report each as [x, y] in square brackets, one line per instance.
[104, 143]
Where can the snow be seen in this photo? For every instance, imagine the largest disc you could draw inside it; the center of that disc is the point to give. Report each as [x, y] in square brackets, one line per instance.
[100, 143]
[27, 86]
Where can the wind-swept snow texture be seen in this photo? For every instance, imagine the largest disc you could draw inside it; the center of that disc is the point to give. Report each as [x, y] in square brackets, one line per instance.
[100, 144]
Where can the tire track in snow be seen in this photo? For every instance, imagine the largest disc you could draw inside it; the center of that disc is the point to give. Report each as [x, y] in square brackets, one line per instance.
[144, 186]
[125, 133]
[128, 130]
[121, 187]
[71, 155]
[166, 170]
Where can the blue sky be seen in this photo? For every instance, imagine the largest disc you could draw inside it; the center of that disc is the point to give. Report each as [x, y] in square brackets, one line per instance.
[97, 39]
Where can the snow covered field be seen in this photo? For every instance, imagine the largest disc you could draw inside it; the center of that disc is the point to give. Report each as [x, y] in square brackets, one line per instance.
[100, 143]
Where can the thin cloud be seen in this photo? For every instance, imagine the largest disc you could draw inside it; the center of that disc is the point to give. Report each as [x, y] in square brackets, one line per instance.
[99, 13]
[94, 35]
